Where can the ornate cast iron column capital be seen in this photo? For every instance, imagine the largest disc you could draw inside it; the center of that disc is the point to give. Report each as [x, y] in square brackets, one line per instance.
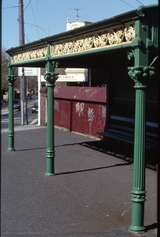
[141, 73]
[11, 76]
[51, 77]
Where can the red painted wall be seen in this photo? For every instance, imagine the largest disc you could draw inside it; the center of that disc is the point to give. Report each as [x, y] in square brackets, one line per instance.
[62, 113]
[94, 94]
[88, 118]
[80, 109]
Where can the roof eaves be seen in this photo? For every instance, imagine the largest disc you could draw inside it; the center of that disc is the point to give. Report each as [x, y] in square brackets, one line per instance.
[120, 19]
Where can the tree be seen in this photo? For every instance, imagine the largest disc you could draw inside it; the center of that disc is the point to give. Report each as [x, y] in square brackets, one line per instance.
[4, 68]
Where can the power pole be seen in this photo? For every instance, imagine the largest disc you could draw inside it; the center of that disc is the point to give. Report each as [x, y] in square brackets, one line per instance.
[21, 22]
[22, 79]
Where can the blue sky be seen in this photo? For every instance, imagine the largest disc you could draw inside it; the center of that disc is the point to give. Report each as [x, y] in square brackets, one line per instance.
[48, 17]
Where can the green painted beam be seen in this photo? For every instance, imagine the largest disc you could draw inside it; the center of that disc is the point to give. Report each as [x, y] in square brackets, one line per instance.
[80, 54]
[33, 63]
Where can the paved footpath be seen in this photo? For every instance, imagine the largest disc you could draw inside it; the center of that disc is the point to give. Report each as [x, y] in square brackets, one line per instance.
[88, 197]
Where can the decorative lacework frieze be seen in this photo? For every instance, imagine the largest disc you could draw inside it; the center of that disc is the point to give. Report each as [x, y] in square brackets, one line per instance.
[30, 55]
[107, 38]
[111, 37]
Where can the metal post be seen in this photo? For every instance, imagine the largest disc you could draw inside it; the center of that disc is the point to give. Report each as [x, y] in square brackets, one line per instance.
[26, 98]
[140, 74]
[50, 152]
[22, 96]
[10, 109]
[138, 191]
[39, 96]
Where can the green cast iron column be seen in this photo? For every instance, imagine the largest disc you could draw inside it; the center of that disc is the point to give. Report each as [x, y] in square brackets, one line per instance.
[10, 109]
[140, 73]
[50, 152]
[138, 191]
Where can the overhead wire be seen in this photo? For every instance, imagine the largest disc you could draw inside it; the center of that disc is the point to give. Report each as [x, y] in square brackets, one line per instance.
[15, 6]
[127, 3]
[27, 39]
[37, 26]
[130, 5]
[140, 2]
[28, 4]
[35, 20]
[40, 30]
[4, 8]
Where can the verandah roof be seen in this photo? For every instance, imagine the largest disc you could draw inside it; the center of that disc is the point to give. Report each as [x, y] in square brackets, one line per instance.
[110, 34]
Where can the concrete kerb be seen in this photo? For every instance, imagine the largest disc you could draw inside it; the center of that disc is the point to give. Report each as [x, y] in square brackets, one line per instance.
[23, 128]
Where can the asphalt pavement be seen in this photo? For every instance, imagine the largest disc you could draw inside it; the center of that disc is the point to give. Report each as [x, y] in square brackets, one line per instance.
[89, 196]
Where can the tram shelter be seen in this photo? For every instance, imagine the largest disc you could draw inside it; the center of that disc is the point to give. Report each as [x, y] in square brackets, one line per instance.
[129, 40]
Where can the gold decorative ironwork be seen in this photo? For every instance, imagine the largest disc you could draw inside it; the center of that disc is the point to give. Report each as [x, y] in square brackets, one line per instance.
[99, 40]
[29, 55]
[96, 40]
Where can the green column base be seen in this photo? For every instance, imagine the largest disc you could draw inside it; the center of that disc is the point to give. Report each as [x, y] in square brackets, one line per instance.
[49, 164]
[138, 199]
[11, 140]
[49, 174]
[137, 229]
[11, 149]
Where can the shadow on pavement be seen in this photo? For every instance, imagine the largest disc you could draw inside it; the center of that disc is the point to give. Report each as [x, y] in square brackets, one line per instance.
[41, 148]
[31, 149]
[152, 226]
[93, 169]
[121, 151]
